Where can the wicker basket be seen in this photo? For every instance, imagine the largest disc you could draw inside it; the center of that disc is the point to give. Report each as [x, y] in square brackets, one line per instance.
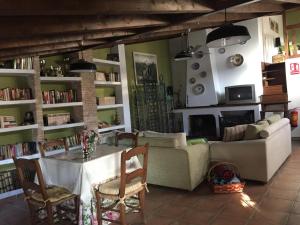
[225, 188]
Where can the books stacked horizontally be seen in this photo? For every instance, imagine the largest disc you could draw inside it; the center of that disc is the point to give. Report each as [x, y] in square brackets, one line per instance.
[73, 140]
[53, 119]
[53, 96]
[12, 94]
[17, 150]
[8, 121]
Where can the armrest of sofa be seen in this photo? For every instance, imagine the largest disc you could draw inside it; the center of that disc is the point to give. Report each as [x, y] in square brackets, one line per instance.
[198, 158]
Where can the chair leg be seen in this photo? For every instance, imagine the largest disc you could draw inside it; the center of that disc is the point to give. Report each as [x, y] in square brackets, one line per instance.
[122, 214]
[77, 208]
[141, 196]
[49, 214]
[33, 215]
[99, 208]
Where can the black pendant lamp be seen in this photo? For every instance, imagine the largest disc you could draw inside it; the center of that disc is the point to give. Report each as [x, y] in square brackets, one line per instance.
[227, 35]
[82, 66]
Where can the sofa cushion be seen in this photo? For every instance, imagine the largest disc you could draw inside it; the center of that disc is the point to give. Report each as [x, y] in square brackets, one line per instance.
[253, 130]
[180, 137]
[235, 133]
[268, 131]
[273, 119]
[166, 142]
[196, 141]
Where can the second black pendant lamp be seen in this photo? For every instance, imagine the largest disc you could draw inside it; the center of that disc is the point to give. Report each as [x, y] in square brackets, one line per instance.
[227, 35]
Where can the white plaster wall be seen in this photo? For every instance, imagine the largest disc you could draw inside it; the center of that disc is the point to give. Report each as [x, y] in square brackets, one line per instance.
[250, 71]
[269, 35]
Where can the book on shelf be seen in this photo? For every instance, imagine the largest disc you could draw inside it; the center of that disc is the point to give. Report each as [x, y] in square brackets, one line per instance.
[54, 119]
[13, 94]
[54, 96]
[17, 150]
[8, 121]
[73, 140]
[23, 63]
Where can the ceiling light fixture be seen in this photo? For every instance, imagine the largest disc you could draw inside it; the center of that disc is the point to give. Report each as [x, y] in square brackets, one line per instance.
[189, 51]
[82, 66]
[227, 35]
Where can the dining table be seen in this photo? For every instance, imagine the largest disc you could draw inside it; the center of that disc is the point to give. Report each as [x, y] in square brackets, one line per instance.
[81, 175]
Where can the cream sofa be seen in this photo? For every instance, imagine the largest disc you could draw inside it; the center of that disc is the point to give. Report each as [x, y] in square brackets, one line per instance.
[257, 159]
[172, 163]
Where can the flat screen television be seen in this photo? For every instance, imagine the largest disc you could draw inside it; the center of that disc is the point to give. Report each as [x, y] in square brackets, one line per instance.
[240, 94]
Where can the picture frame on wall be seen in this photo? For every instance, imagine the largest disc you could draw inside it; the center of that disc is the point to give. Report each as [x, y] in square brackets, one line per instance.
[145, 68]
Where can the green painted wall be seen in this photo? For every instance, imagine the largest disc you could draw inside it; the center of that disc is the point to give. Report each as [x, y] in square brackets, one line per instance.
[293, 18]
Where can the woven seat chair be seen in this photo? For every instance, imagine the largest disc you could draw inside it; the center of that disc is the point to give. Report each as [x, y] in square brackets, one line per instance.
[40, 198]
[133, 137]
[58, 143]
[128, 185]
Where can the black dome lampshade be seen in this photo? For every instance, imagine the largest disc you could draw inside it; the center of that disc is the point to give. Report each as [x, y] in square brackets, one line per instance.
[227, 35]
[82, 66]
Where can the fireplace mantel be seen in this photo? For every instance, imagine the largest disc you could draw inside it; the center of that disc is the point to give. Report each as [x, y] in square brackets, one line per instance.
[216, 111]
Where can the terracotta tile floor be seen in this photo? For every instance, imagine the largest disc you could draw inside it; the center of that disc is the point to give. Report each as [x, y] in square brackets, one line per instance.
[275, 203]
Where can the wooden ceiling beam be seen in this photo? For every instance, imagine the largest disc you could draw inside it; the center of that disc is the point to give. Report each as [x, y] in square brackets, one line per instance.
[286, 1]
[19, 27]
[257, 7]
[56, 39]
[35, 50]
[96, 7]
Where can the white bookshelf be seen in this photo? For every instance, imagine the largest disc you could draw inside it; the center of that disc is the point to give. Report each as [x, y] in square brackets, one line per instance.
[9, 161]
[16, 72]
[18, 128]
[114, 106]
[60, 79]
[106, 62]
[61, 105]
[106, 129]
[63, 126]
[107, 83]
[17, 102]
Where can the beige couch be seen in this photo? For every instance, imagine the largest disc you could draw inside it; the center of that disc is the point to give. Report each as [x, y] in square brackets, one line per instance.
[257, 159]
[172, 163]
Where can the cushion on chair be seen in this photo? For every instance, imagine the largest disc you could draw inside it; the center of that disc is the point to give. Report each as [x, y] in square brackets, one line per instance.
[55, 194]
[112, 187]
[235, 133]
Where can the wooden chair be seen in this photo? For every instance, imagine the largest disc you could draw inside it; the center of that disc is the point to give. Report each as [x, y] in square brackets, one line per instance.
[128, 185]
[40, 197]
[132, 136]
[58, 143]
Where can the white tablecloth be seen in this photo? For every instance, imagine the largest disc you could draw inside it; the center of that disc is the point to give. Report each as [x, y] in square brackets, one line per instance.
[78, 175]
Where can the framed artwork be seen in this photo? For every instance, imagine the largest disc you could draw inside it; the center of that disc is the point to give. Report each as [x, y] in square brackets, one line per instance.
[145, 68]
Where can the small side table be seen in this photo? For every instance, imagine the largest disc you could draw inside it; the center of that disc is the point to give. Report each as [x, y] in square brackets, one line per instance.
[280, 106]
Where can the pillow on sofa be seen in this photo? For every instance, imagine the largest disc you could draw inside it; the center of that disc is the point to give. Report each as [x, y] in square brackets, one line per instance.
[180, 137]
[196, 141]
[273, 119]
[235, 133]
[253, 130]
[268, 131]
[166, 142]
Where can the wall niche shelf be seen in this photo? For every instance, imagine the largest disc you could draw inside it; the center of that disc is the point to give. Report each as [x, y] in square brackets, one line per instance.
[106, 62]
[63, 126]
[60, 79]
[61, 105]
[18, 128]
[99, 107]
[16, 72]
[107, 83]
[17, 102]
[111, 128]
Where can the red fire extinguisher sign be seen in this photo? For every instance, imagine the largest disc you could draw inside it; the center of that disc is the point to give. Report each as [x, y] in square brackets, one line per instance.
[294, 68]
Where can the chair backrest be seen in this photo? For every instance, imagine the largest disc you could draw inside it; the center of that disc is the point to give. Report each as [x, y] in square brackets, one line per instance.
[26, 170]
[140, 172]
[58, 143]
[133, 137]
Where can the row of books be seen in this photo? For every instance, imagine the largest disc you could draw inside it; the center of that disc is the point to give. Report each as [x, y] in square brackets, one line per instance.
[53, 96]
[17, 150]
[23, 63]
[12, 94]
[53, 119]
[8, 121]
[73, 140]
